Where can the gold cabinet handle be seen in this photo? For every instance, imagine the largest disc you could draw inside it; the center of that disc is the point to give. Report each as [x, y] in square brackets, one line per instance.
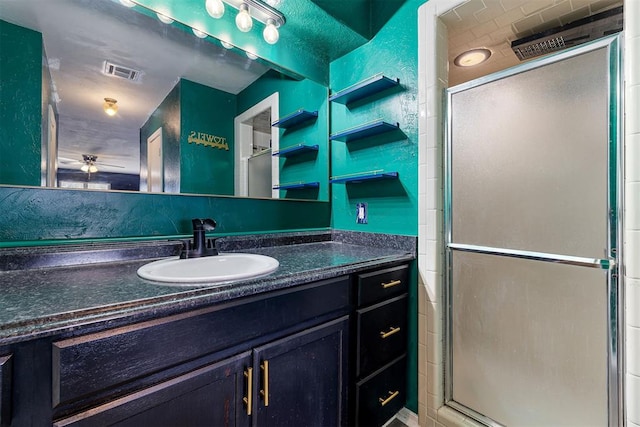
[265, 382]
[390, 332]
[248, 374]
[391, 284]
[392, 395]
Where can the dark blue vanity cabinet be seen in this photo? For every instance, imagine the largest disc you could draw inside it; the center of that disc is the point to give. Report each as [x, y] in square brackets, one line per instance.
[5, 389]
[325, 353]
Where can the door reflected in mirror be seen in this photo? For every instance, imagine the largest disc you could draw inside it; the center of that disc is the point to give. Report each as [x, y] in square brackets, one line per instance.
[151, 104]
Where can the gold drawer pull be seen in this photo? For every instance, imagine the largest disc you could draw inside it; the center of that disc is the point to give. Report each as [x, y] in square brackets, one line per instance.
[390, 332]
[392, 395]
[391, 284]
[247, 400]
[265, 381]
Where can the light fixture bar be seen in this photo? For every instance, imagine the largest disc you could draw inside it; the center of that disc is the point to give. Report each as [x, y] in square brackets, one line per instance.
[260, 11]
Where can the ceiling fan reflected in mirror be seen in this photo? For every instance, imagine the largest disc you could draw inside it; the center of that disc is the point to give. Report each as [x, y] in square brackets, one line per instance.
[88, 163]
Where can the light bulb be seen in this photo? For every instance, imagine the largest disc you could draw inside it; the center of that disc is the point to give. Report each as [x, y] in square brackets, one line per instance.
[127, 3]
[251, 55]
[270, 33]
[226, 45]
[215, 8]
[243, 19]
[164, 18]
[110, 106]
[199, 34]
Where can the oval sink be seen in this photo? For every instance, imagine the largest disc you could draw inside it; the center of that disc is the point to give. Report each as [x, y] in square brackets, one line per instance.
[213, 269]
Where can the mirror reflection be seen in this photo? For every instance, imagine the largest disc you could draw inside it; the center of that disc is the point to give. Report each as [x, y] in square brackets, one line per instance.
[128, 101]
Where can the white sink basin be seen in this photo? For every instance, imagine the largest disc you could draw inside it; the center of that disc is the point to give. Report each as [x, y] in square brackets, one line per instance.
[212, 269]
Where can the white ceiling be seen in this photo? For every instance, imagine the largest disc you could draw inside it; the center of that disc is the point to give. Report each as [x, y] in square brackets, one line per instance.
[494, 24]
[79, 35]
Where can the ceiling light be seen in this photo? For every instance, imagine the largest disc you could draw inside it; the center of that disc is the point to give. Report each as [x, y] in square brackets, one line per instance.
[215, 8]
[226, 45]
[270, 33]
[243, 19]
[110, 106]
[127, 3]
[199, 34]
[472, 57]
[164, 18]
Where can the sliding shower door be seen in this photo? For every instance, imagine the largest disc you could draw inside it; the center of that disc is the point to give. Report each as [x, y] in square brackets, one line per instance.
[531, 237]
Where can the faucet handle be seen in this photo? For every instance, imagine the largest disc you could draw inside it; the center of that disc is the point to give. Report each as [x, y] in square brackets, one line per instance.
[204, 224]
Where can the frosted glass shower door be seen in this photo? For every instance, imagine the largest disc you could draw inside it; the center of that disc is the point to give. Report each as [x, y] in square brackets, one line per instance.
[529, 234]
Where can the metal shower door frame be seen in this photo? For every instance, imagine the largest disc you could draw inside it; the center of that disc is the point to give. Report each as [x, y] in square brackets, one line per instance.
[615, 285]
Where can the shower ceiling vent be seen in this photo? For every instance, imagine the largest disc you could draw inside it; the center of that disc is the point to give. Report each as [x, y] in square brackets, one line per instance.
[569, 35]
[121, 71]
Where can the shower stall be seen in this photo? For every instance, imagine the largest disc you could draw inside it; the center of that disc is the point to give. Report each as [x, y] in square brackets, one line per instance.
[532, 242]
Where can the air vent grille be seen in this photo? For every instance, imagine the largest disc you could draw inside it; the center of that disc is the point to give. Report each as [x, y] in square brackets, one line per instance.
[572, 34]
[120, 71]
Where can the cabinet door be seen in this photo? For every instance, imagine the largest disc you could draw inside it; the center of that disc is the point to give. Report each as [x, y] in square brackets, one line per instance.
[5, 390]
[301, 379]
[209, 396]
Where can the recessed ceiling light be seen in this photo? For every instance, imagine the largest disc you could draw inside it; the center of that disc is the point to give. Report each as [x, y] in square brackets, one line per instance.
[472, 57]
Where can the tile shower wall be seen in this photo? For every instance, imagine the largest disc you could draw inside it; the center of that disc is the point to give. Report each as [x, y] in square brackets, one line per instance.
[432, 79]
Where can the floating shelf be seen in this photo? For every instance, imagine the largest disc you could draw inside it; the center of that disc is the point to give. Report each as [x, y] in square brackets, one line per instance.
[295, 150]
[365, 88]
[364, 176]
[296, 185]
[296, 118]
[369, 129]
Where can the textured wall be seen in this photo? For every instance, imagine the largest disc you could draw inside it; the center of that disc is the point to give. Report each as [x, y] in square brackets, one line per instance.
[37, 215]
[393, 204]
[20, 105]
[206, 169]
[296, 94]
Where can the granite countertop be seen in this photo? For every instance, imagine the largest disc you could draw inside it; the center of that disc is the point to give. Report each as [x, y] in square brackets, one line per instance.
[43, 301]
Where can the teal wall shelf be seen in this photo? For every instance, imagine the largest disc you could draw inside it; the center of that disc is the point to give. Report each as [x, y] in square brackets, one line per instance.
[365, 176]
[363, 89]
[296, 118]
[295, 150]
[297, 185]
[363, 131]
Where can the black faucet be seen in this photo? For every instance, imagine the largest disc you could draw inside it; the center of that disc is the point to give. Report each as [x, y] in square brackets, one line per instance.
[200, 247]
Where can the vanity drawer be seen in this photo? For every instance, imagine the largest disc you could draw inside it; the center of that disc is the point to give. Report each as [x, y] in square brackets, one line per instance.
[381, 284]
[382, 334]
[381, 395]
[109, 362]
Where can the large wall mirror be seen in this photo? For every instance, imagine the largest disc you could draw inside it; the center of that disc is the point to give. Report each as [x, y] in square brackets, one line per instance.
[131, 100]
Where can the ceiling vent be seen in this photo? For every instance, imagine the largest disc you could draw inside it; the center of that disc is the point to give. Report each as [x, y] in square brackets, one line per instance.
[121, 71]
[569, 35]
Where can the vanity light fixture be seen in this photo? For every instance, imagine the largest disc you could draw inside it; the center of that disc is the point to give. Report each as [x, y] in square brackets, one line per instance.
[110, 106]
[226, 45]
[164, 18]
[472, 57]
[127, 3]
[249, 10]
[199, 34]
[215, 8]
[243, 19]
[270, 32]
[251, 55]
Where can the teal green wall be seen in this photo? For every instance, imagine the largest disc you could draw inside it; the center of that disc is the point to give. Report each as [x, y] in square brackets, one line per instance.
[206, 169]
[294, 95]
[392, 204]
[28, 217]
[167, 116]
[20, 105]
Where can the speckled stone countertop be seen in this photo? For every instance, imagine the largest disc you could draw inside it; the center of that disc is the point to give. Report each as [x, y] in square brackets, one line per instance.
[43, 301]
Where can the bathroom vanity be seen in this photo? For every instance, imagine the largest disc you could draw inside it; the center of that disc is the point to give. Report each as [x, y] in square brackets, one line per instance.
[321, 341]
